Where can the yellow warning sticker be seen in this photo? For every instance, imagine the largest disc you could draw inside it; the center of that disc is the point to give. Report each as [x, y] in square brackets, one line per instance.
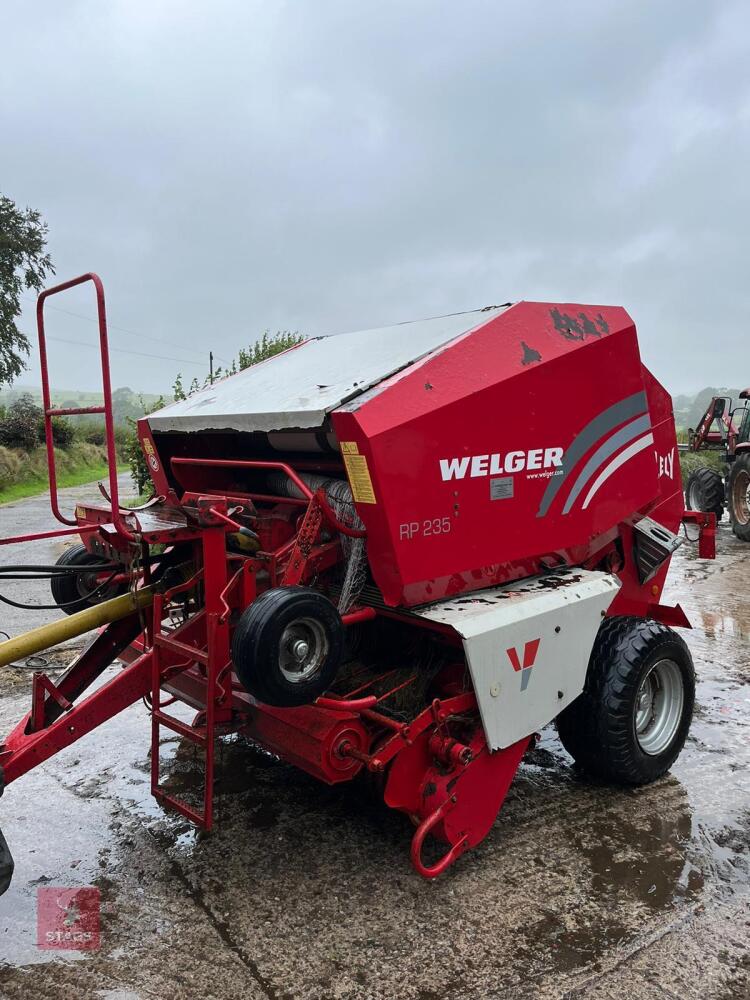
[349, 448]
[359, 476]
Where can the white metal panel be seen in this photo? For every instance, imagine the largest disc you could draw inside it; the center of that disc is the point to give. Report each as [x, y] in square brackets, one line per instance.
[528, 646]
[298, 388]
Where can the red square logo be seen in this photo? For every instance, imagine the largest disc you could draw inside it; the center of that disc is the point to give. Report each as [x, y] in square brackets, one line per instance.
[68, 918]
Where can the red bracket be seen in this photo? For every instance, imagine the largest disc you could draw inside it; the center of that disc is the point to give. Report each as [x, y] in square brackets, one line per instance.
[706, 522]
[41, 685]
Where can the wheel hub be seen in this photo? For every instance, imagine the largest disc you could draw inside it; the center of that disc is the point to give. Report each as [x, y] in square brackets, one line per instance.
[303, 649]
[658, 707]
[300, 649]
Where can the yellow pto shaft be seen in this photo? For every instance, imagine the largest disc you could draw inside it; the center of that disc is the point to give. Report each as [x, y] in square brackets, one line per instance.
[45, 636]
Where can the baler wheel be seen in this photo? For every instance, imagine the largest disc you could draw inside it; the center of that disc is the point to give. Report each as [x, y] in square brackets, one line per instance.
[71, 591]
[288, 645]
[739, 497]
[705, 491]
[630, 723]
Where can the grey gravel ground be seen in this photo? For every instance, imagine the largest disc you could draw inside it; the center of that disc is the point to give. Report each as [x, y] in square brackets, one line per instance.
[306, 892]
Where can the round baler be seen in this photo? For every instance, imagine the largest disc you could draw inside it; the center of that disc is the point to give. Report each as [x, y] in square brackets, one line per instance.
[401, 551]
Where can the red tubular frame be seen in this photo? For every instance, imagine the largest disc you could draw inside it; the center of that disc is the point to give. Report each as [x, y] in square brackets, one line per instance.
[231, 463]
[57, 533]
[191, 662]
[105, 408]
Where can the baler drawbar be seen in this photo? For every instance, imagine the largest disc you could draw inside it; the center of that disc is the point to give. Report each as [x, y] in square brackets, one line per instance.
[401, 551]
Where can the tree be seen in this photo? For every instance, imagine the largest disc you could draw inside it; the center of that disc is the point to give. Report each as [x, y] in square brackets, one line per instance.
[24, 264]
[22, 423]
[263, 348]
[133, 453]
[268, 345]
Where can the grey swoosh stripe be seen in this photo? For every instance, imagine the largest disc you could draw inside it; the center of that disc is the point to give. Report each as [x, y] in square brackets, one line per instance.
[631, 406]
[626, 434]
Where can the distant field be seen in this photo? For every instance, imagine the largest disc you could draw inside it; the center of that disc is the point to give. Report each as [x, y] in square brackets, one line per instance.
[76, 397]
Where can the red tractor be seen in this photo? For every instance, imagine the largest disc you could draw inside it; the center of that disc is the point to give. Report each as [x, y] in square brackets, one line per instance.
[726, 429]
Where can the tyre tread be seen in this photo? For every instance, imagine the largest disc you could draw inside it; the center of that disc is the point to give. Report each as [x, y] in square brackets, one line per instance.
[712, 487]
[596, 729]
[741, 531]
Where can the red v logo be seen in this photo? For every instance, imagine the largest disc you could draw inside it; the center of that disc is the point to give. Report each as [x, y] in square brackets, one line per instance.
[530, 650]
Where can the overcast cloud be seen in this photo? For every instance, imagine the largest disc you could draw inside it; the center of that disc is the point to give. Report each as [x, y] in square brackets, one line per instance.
[323, 166]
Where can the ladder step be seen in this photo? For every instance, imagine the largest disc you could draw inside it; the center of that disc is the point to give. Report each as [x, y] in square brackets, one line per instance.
[169, 722]
[199, 818]
[166, 642]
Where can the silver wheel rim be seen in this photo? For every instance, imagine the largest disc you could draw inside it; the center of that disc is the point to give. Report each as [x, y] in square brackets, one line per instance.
[658, 707]
[694, 498]
[303, 650]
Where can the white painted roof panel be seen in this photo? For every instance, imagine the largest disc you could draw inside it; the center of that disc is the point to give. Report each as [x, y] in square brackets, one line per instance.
[298, 388]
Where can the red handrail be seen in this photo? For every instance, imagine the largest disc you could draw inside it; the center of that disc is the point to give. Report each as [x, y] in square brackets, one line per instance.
[49, 412]
[245, 463]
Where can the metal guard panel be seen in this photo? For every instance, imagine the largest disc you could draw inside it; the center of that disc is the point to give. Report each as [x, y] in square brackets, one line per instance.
[297, 388]
[528, 646]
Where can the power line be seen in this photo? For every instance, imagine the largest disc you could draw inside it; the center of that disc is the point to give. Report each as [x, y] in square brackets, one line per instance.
[123, 350]
[124, 329]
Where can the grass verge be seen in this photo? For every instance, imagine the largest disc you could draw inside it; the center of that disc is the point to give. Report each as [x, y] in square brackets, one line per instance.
[74, 477]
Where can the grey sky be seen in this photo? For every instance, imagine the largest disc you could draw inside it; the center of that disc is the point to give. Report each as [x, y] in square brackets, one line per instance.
[323, 166]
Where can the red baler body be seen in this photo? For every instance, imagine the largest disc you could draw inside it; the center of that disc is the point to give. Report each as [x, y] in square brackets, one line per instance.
[487, 476]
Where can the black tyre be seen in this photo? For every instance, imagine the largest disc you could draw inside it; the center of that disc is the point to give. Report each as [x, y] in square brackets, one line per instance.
[288, 645]
[738, 496]
[72, 592]
[705, 491]
[630, 723]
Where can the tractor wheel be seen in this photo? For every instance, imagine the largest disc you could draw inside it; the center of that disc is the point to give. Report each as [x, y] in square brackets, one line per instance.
[288, 645]
[705, 491]
[738, 489]
[631, 721]
[72, 592]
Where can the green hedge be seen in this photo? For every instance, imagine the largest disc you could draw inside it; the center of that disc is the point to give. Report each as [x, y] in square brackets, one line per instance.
[692, 460]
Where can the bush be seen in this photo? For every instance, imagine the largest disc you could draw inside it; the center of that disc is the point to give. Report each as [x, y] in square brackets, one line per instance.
[63, 432]
[139, 470]
[692, 460]
[91, 431]
[11, 467]
[131, 450]
[20, 426]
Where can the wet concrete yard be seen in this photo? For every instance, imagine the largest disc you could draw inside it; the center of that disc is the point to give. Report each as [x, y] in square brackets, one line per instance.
[304, 891]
